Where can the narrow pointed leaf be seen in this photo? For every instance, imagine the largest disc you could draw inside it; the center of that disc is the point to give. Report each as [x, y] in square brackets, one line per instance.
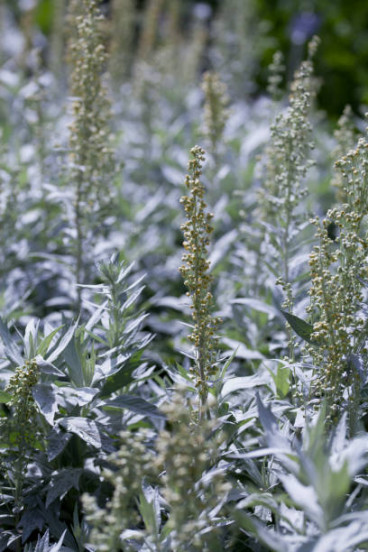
[300, 327]
[45, 343]
[11, 349]
[60, 348]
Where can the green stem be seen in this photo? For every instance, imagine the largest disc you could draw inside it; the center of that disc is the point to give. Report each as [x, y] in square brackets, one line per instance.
[79, 243]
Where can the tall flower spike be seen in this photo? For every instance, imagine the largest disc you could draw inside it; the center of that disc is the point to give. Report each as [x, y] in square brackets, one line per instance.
[122, 40]
[90, 133]
[131, 464]
[286, 162]
[187, 454]
[92, 158]
[276, 72]
[150, 28]
[215, 109]
[20, 430]
[338, 271]
[197, 231]
[345, 135]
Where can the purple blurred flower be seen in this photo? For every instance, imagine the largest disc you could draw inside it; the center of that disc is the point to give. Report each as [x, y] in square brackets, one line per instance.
[202, 11]
[303, 26]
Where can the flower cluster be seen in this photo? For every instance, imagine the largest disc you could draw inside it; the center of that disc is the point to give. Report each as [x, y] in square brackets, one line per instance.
[92, 159]
[182, 469]
[287, 159]
[345, 138]
[150, 28]
[197, 231]
[19, 431]
[338, 266]
[89, 137]
[215, 109]
[22, 402]
[122, 39]
[276, 71]
[186, 453]
[130, 464]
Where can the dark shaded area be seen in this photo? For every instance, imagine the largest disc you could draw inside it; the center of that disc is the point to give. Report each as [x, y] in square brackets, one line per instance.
[342, 60]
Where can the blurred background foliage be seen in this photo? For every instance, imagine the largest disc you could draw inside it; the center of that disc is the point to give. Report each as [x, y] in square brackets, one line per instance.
[284, 25]
[342, 60]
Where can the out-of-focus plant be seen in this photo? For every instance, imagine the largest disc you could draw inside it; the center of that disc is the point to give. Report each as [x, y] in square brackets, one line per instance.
[27, 21]
[57, 46]
[150, 29]
[123, 19]
[194, 489]
[91, 155]
[289, 27]
[114, 525]
[215, 110]
[239, 39]
[276, 76]
[175, 491]
[345, 135]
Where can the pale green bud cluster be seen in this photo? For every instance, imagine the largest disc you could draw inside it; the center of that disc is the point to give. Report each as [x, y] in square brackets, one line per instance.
[150, 29]
[186, 452]
[338, 266]
[19, 431]
[179, 467]
[345, 138]
[91, 154]
[130, 465]
[197, 231]
[285, 165]
[276, 72]
[20, 388]
[287, 155]
[122, 37]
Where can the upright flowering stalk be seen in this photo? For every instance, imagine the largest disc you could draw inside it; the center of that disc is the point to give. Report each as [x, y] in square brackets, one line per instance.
[287, 159]
[91, 154]
[57, 40]
[181, 470]
[338, 270]
[150, 29]
[20, 430]
[345, 135]
[215, 109]
[197, 231]
[275, 78]
[112, 525]
[191, 488]
[122, 40]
